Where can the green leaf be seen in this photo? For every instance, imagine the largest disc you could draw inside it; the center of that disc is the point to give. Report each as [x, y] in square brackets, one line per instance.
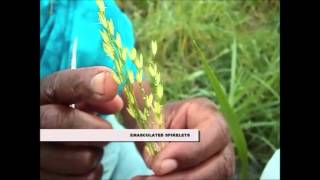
[229, 114]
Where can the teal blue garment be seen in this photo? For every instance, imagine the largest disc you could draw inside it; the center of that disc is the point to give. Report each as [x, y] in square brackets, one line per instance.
[272, 169]
[62, 21]
[122, 159]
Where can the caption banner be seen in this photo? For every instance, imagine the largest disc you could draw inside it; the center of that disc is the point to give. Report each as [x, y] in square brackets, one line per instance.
[191, 135]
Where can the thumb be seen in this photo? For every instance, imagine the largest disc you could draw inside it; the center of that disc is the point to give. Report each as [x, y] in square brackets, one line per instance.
[183, 155]
[105, 107]
[170, 158]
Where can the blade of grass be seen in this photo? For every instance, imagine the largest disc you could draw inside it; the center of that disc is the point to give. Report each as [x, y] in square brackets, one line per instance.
[233, 71]
[228, 112]
[265, 140]
[266, 86]
[250, 124]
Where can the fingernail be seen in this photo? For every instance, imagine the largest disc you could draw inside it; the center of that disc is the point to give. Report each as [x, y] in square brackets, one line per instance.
[97, 83]
[167, 166]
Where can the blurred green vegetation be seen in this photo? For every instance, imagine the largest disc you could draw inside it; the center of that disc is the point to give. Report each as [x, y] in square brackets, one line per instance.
[248, 31]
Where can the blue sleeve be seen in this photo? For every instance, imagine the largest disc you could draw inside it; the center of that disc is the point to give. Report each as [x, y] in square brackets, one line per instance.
[63, 21]
[272, 169]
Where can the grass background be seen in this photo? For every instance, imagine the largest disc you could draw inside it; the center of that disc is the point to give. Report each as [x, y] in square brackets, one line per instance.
[241, 40]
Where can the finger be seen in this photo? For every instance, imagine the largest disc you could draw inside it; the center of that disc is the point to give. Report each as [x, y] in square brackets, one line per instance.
[62, 117]
[183, 155]
[108, 107]
[217, 167]
[69, 160]
[96, 174]
[73, 86]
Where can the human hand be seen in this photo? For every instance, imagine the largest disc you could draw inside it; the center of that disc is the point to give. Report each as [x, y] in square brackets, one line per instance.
[92, 90]
[211, 158]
